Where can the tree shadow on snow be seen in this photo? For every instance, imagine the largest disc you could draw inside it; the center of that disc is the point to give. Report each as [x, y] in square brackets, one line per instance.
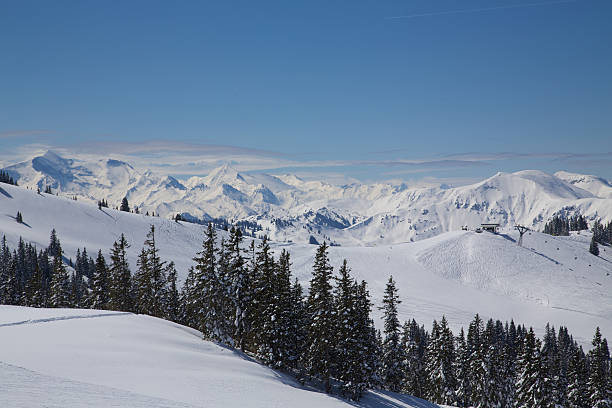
[5, 193]
[388, 399]
[22, 222]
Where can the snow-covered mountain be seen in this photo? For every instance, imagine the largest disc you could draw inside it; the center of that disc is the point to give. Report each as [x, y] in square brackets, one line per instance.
[456, 274]
[288, 208]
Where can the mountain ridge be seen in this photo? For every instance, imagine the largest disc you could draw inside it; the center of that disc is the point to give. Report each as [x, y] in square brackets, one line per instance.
[288, 208]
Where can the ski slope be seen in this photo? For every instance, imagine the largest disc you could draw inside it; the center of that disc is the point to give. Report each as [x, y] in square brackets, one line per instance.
[72, 358]
[456, 274]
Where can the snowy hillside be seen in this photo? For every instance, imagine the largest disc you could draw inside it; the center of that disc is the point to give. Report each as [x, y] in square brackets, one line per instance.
[73, 358]
[457, 274]
[291, 209]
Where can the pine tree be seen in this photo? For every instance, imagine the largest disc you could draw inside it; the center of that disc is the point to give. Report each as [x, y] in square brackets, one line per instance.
[528, 381]
[479, 375]
[34, 289]
[156, 275]
[393, 355]
[189, 301]
[265, 306]
[577, 392]
[594, 248]
[60, 282]
[207, 284]
[171, 300]
[550, 368]
[99, 295]
[439, 367]
[54, 244]
[120, 288]
[282, 308]
[318, 357]
[19, 218]
[462, 368]
[240, 290]
[598, 383]
[5, 273]
[366, 341]
[353, 333]
[125, 206]
[143, 289]
[298, 322]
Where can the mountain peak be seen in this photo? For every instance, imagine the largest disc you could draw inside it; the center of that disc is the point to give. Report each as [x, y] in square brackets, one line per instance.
[225, 174]
[53, 157]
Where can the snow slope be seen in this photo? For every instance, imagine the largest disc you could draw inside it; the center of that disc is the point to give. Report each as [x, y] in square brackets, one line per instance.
[292, 209]
[457, 274]
[116, 359]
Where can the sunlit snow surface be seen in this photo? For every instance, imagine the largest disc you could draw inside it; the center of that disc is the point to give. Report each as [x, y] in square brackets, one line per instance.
[75, 358]
[456, 274]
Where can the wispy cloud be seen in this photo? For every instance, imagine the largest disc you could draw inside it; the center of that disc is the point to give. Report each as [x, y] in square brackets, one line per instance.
[23, 133]
[192, 159]
[479, 9]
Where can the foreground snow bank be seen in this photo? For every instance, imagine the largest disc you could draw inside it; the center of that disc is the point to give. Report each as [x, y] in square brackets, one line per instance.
[62, 357]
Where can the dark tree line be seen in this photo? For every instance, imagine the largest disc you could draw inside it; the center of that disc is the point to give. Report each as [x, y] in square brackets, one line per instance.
[6, 178]
[248, 299]
[602, 234]
[562, 225]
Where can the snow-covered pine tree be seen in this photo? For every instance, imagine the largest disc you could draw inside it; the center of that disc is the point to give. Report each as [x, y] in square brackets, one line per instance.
[46, 271]
[565, 348]
[493, 352]
[298, 321]
[599, 379]
[318, 357]
[171, 294]
[240, 290]
[393, 354]
[353, 333]
[478, 378]
[345, 347]
[34, 289]
[462, 367]
[5, 275]
[528, 387]
[100, 284]
[60, 281]
[206, 285]
[578, 374]
[223, 301]
[156, 274]
[439, 365]
[368, 361]
[142, 287]
[120, 293]
[550, 368]
[189, 301]
[414, 344]
[264, 302]
[282, 336]
[54, 244]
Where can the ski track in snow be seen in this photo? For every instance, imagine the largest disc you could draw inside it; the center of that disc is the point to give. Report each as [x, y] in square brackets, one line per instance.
[60, 318]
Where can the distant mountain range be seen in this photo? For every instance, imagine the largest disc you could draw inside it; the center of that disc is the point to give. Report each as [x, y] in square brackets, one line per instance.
[288, 208]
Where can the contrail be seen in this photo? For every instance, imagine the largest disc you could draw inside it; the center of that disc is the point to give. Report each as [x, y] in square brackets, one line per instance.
[476, 10]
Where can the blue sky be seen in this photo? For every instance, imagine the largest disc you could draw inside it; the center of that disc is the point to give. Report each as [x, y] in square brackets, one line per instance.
[370, 89]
